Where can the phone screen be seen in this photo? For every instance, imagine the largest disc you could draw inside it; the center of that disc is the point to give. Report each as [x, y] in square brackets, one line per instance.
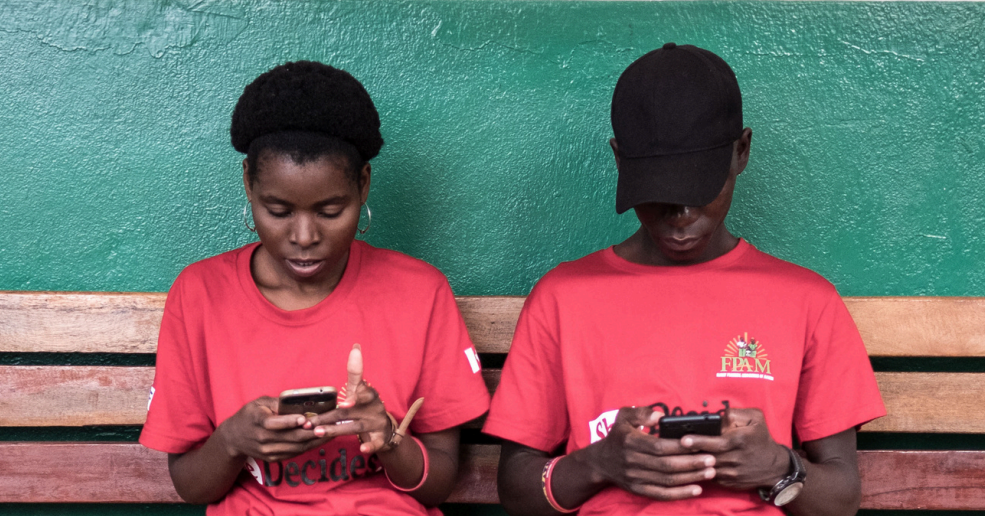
[316, 400]
[675, 427]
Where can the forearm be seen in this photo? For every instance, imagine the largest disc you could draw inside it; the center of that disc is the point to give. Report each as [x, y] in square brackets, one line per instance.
[206, 474]
[404, 465]
[832, 489]
[573, 480]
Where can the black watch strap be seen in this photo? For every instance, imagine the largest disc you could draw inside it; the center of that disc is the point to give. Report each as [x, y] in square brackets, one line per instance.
[789, 486]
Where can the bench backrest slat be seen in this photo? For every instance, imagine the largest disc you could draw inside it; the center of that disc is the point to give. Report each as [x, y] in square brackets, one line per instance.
[117, 395]
[129, 323]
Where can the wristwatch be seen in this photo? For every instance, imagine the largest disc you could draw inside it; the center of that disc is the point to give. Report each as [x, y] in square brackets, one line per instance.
[789, 486]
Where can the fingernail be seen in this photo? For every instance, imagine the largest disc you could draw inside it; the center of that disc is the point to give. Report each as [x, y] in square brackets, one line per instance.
[687, 441]
[709, 461]
[709, 473]
[696, 491]
[319, 431]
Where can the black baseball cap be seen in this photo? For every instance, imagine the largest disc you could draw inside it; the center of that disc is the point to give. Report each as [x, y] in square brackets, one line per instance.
[675, 113]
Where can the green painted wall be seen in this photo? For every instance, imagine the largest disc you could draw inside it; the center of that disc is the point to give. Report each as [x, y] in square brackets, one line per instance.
[868, 159]
[867, 162]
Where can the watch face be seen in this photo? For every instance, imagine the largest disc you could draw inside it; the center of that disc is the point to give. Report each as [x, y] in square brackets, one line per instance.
[788, 494]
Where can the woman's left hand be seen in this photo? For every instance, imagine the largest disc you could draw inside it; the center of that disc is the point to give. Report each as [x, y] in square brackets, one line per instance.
[361, 412]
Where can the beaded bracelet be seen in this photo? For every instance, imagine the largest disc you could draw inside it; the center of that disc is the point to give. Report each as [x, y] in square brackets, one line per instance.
[424, 476]
[545, 480]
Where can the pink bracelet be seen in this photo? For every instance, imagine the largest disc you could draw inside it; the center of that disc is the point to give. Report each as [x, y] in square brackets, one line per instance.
[424, 476]
[545, 480]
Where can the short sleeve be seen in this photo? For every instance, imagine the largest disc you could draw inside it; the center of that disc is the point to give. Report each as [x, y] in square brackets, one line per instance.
[837, 388]
[529, 406]
[451, 376]
[177, 419]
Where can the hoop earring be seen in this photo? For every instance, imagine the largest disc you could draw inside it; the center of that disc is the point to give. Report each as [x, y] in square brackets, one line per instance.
[369, 221]
[247, 216]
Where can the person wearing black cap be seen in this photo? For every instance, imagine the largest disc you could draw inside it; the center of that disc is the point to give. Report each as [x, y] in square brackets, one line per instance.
[681, 319]
[285, 313]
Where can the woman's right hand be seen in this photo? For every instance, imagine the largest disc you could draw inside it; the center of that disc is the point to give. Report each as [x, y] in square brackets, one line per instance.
[662, 469]
[257, 431]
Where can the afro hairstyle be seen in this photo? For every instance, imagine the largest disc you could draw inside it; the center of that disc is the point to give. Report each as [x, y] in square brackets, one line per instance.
[281, 105]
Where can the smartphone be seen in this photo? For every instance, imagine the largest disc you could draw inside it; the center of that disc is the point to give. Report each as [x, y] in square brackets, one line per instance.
[310, 402]
[675, 427]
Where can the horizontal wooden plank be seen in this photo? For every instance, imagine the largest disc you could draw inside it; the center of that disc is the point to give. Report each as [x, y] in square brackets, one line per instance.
[477, 475]
[80, 322]
[106, 322]
[490, 320]
[128, 323]
[930, 480]
[74, 395]
[931, 403]
[92, 395]
[83, 472]
[920, 326]
[128, 472]
[117, 395]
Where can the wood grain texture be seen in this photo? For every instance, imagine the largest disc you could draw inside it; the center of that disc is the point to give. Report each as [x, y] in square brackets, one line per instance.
[491, 320]
[931, 480]
[117, 395]
[80, 322]
[128, 323]
[106, 322]
[477, 475]
[128, 472]
[74, 395]
[920, 326]
[84, 472]
[931, 403]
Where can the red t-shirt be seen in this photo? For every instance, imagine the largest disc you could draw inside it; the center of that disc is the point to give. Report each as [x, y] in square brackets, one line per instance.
[222, 344]
[743, 330]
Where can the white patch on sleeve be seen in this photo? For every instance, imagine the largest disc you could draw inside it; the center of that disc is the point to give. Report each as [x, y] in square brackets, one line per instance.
[254, 469]
[150, 398]
[473, 359]
[599, 427]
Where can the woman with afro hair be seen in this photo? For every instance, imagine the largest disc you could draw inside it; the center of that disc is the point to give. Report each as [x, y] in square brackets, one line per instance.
[310, 306]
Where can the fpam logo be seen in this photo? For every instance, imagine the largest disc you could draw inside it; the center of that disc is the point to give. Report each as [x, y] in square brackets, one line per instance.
[745, 357]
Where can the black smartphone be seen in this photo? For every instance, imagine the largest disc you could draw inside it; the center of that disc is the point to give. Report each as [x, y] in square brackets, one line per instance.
[309, 402]
[675, 427]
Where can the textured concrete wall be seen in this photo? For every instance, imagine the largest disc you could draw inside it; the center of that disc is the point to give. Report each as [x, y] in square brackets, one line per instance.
[867, 161]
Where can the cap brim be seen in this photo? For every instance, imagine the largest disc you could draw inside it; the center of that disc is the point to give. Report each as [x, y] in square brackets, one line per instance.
[689, 179]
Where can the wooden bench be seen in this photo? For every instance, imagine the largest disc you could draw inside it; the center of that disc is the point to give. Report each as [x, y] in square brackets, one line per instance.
[83, 395]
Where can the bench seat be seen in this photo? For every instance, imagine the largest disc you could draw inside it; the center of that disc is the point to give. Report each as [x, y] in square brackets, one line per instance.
[127, 323]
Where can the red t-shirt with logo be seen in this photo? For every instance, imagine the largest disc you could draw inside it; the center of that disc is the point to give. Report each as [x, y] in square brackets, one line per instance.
[743, 330]
[222, 344]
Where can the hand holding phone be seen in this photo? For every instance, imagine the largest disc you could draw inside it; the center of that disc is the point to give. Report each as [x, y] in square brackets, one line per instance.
[309, 402]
